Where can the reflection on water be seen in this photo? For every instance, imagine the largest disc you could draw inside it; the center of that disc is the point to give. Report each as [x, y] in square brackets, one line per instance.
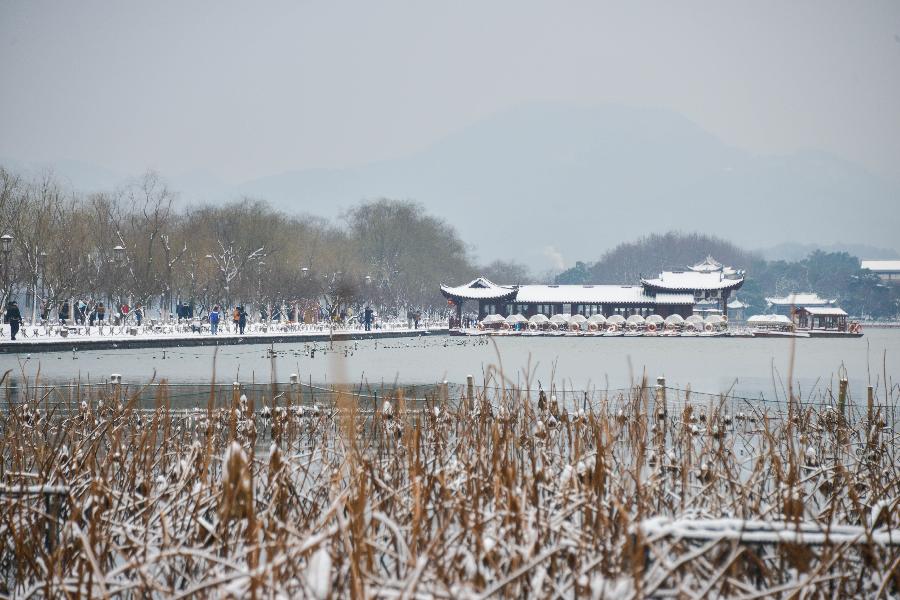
[748, 367]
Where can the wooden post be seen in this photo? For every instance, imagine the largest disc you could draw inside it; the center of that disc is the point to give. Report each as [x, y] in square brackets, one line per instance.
[662, 416]
[470, 392]
[661, 397]
[842, 397]
[870, 416]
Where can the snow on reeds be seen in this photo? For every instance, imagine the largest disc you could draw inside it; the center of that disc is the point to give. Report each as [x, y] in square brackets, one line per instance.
[461, 497]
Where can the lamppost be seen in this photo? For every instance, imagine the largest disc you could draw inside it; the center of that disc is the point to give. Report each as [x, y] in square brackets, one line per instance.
[211, 261]
[260, 264]
[119, 257]
[42, 260]
[6, 248]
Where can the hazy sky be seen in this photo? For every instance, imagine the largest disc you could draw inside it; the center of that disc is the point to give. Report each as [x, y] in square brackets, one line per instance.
[251, 89]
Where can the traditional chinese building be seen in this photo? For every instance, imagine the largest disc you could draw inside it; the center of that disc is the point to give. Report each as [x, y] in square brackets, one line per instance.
[737, 311]
[673, 292]
[820, 317]
[787, 305]
[887, 270]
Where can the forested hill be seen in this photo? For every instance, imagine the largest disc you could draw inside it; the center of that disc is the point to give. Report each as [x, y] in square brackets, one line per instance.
[830, 274]
[654, 253]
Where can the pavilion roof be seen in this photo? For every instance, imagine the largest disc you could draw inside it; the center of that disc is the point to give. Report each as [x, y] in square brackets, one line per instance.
[480, 288]
[693, 280]
[799, 299]
[825, 311]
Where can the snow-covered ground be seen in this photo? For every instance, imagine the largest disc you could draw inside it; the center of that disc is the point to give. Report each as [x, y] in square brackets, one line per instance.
[187, 331]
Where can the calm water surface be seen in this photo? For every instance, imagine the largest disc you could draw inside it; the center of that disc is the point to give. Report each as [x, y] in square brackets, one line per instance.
[750, 367]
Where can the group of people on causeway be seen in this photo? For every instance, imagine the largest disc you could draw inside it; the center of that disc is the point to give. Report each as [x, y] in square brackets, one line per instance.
[98, 314]
[84, 314]
[238, 318]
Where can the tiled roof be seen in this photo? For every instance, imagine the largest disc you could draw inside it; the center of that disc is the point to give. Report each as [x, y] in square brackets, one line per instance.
[825, 311]
[595, 294]
[799, 299]
[882, 266]
[693, 280]
[480, 288]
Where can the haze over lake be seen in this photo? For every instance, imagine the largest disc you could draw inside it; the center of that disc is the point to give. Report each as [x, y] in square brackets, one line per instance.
[750, 367]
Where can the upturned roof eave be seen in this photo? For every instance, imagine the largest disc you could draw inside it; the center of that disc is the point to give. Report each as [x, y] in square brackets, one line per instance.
[649, 284]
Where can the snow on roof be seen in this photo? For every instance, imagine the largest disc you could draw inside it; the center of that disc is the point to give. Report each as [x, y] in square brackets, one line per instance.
[479, 288]
[693, 280]
[769, 320]
[595, 294]
[825, 311]
[799, 299]
[674, 298]
[882, 266]
[737, 304]
[707, 266]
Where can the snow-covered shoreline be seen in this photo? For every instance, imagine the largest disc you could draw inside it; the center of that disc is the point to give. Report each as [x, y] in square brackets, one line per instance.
[58, 338]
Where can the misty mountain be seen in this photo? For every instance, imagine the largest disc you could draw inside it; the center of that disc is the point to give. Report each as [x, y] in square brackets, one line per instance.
[548, 183]
[793, 252]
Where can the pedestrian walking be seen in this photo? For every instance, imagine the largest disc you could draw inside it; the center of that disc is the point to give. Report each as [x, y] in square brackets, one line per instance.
[64, 312]
[242, 319]
[367, 317]
[139, 313]
[417, 316]
[214, 320]
[14, 318]
[236, 317]
[101, 313]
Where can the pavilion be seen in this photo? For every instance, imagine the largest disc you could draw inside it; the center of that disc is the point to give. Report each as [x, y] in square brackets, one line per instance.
[787, 305]
[821, 317]
[673, 292]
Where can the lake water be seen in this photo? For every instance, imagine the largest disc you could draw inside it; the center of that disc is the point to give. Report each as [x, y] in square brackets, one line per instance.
[749, 367]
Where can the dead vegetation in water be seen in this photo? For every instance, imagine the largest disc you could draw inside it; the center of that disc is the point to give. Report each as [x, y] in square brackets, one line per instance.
[462, 497]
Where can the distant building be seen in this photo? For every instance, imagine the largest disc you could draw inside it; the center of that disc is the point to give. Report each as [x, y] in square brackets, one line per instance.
[737, 311]
[787, 305]
[827, 317]
[888, 270]
[704, 308]
[673, 292]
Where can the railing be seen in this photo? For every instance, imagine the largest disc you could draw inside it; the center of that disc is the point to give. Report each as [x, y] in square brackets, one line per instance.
[183, 327]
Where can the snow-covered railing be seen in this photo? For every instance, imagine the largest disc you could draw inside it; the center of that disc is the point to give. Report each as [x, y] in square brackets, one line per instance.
[34, 490]
[766, 532]
[58, 332]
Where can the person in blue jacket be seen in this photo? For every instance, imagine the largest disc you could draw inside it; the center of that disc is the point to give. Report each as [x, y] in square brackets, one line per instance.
[214, 320]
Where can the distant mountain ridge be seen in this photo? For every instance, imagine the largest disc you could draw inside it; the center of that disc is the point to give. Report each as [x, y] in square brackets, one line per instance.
[546, 183]
[581, 180]
[793, 252]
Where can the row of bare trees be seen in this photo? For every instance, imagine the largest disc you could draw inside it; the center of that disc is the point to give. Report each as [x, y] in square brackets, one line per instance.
[135, 245]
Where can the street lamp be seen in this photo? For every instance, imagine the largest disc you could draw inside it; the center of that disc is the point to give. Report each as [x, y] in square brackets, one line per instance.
[119, 253]
[6, 247]
[42, 260]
